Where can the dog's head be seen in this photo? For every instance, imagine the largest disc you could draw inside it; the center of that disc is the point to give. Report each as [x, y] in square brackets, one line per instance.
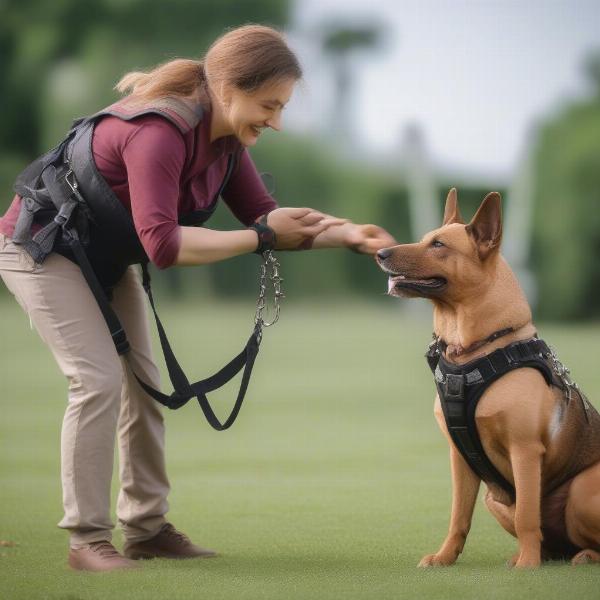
[448, 262]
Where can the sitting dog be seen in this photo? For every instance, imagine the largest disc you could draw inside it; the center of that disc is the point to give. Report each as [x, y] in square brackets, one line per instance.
[512, 415]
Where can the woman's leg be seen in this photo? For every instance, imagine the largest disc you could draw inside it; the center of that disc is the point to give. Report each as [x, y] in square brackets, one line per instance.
[142, 501]
[65, 314]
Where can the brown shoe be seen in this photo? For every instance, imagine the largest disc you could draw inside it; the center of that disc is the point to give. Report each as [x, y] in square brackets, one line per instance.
[98, 556]
[167, 543]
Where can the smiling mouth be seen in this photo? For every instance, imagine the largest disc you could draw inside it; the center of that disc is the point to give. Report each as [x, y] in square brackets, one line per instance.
[427, 285]
[256, 130]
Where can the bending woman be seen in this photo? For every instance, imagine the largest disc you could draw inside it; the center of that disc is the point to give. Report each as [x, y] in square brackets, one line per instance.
[160, 169]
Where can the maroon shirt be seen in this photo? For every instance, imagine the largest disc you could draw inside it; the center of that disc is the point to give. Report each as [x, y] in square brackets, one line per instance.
[159, 173]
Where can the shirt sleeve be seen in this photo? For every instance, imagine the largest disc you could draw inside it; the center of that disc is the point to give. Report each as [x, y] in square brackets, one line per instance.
[245, 193]
[154, 157]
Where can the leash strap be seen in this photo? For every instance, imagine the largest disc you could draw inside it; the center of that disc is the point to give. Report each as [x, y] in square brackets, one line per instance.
[183, 390]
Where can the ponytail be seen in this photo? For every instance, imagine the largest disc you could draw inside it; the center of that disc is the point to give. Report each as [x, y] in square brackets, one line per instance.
[179, 77]
[246, 57]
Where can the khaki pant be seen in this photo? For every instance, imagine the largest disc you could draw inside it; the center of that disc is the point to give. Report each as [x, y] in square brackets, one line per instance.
[104, 396]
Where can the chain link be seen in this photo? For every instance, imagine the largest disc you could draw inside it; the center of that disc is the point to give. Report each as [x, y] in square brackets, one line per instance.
[269, 271]
[564, 374]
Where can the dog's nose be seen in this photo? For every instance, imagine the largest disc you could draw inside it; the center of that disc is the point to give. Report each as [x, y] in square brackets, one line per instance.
[384, 253]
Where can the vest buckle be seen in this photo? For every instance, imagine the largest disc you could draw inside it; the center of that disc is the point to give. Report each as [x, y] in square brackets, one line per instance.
[454, 387]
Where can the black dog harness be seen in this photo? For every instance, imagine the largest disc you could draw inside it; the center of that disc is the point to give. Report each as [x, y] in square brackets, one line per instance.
[460, 388]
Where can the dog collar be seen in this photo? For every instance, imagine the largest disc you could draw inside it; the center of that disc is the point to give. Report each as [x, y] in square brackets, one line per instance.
[442, 345]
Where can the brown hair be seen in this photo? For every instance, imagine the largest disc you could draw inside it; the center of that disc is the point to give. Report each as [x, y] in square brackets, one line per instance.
[246, 57]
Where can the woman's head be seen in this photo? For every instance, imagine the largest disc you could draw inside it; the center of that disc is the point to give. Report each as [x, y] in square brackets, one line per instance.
[249, 71]
[246, 58]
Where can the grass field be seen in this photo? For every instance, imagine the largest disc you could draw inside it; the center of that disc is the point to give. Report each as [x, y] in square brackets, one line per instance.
[332, 484]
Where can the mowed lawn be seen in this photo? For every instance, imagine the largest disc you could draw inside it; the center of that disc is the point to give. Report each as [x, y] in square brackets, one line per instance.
[333, 483]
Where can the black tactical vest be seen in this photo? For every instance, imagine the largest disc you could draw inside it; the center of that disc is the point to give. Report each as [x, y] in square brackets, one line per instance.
[64, 191]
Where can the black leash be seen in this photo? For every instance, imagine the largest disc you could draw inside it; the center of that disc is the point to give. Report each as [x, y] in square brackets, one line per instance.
[183, 389]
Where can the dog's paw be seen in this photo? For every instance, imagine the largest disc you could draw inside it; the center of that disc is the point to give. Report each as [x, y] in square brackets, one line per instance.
[437, 560]
[512, 561]
[586, 557]
[528, 562]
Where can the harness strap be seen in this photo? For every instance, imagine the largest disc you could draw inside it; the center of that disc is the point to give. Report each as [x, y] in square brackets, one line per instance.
[184, 391]
[112, 321]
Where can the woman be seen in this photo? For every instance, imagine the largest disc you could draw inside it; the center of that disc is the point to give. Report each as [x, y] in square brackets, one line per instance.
[159, 172]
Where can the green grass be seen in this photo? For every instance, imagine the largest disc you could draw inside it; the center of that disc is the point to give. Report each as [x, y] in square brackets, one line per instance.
[332, 484]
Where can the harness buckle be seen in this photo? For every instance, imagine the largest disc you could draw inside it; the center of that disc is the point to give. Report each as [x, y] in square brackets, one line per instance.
[29, 204]
[454, 387]
[120, 341]
[512, 354]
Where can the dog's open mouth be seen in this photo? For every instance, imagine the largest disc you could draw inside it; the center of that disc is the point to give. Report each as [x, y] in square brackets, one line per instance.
[425, 286]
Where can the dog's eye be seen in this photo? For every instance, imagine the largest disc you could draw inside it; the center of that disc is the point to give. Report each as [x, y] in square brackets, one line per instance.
[437, 244]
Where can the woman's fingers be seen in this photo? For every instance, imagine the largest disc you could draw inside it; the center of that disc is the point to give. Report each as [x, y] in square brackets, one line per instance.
[367, 239]
[312, 218]
[297, 213]
[313, 230]
[334, 221]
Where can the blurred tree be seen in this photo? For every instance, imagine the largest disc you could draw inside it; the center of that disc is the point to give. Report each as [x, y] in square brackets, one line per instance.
[339, 43]
[567, 225]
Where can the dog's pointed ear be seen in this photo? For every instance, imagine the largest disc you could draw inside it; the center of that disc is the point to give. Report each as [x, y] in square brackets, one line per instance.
[486, 226]
[451, 212]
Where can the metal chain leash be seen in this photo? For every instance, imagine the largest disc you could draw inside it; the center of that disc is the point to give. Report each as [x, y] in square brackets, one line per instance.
[269, 270]
[564, 374]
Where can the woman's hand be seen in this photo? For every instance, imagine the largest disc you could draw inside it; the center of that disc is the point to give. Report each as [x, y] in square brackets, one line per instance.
[294, 227]
[365, 239]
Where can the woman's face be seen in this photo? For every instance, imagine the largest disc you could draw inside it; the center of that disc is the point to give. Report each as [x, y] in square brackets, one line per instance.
[248, 113]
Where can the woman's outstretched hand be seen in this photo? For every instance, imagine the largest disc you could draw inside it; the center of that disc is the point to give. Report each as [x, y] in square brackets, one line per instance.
[365, 239]
[294, 227]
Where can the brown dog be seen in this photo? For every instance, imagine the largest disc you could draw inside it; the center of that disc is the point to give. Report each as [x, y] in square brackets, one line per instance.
[541, 437]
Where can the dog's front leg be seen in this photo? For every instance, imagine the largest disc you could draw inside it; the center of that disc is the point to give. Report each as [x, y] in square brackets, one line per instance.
[465, 485]
[526, 462]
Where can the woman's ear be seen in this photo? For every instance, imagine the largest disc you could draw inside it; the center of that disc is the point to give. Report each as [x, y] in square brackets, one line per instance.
[225, 94]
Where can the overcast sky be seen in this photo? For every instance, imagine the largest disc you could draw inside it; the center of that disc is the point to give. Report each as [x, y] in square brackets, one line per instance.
[474, 74]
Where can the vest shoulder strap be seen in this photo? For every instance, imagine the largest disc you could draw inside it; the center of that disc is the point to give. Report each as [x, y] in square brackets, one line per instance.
[183, 115]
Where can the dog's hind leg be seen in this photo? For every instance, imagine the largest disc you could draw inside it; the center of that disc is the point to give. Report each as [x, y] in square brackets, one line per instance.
[582, 515]
[505, 515]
